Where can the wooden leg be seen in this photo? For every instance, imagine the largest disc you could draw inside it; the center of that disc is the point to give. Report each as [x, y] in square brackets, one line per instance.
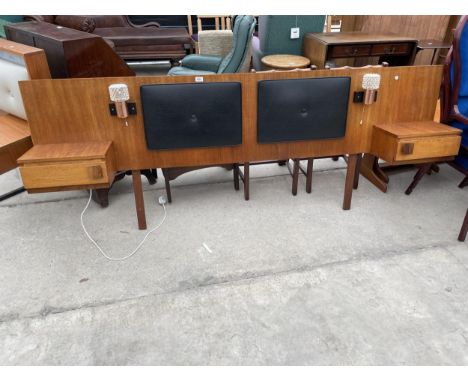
[101, 196]
[149, 175]
[295, 175]
[236, 177]
[310, 167]
[370, 170]
[352, 162]
[463, 183]
[464, 228]
[358, 171]
[419, 174]
[246, 180]
[139, 201]
[168, 184]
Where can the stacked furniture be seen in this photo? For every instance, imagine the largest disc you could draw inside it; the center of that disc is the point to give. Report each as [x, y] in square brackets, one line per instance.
[274, 35]
[131, 41]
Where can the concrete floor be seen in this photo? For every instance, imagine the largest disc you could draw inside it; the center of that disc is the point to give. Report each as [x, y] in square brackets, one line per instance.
[278, 280]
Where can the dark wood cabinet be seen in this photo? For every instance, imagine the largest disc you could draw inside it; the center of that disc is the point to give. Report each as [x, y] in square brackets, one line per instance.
[70, 53]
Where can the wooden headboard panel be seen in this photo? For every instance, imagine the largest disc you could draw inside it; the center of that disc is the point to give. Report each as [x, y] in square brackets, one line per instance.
[76, 110]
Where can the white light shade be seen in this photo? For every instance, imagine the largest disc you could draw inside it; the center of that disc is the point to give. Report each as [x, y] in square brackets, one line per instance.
[118, 93]
[371, 81]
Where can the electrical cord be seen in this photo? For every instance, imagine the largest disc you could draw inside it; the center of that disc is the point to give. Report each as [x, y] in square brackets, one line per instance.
[162, 202]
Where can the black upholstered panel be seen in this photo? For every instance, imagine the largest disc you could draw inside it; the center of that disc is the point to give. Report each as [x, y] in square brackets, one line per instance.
[302, 109]
[192, 115]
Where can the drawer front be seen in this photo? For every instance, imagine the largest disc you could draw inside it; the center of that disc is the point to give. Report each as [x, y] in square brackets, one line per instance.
[65, 174]
[342, 51]
[391, 49]
[422, 148]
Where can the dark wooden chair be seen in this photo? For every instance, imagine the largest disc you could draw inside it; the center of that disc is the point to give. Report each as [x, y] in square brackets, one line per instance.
[453, 103]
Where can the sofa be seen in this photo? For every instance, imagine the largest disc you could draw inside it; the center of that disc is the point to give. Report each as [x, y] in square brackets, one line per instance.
[131, 41]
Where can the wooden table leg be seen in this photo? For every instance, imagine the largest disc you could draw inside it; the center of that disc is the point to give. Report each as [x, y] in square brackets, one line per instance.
[310, 168]
[358, 171]
[464, 228]
[419, 174]
[371, 171]
[246, 180]
[139, 201]
[352, 162]
[236, 177]
[295, 176]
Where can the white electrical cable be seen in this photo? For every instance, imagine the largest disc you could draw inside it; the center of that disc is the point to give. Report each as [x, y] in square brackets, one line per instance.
[100, 249]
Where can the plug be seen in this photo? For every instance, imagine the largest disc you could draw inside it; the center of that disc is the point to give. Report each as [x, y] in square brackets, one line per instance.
[162, 200]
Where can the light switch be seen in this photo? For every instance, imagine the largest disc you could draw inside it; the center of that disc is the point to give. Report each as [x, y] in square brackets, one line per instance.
[294, 33]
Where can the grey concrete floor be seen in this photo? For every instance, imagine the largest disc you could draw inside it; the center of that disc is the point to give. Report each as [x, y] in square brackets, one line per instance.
[277, 280]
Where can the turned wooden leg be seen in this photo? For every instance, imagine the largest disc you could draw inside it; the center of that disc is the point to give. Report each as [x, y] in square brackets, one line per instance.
[246, 180]
[139, 201]
[358, 171]
[463, 183]
[310, 167]
[352, 162]
[236, 177]
[464, 228]
[295, 176]
[419, 174]
[101, 196]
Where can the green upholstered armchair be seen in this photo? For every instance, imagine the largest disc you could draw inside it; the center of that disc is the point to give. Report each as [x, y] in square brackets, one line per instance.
[195, 64]
[274, 35]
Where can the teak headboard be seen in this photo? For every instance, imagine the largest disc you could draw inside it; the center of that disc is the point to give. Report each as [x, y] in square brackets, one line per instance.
[77, 110]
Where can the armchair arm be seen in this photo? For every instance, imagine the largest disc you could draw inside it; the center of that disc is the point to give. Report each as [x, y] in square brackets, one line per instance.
[202, 62]
[459, 116]
[145, 25]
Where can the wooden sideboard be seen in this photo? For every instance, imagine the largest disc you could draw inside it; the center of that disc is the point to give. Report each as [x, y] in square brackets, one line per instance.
[394, 49]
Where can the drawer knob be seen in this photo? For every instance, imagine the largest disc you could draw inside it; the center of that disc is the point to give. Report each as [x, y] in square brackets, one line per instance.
[407, 148]
[96, 172]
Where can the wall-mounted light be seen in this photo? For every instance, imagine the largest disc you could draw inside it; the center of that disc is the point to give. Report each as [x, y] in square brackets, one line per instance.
[370, 83]
[119, 95]
[120, 107]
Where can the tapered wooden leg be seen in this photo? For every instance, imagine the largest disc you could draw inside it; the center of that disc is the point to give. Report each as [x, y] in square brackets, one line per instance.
[421, 172]
[463, 183]
[236, 177]
[167, 179]
[310, 168]
[358, 171]
[352, 162]
[101, 196]
[139, 201]
[370, 170]
[246, 180]
[295, 176]
[464, 228]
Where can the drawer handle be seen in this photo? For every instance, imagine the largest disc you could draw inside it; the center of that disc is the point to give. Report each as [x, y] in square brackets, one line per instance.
[352, 51]
[407, 148]
[96, 172]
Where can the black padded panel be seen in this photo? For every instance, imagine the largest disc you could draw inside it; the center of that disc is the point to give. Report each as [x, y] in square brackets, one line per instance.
[302, 109]
[180, 116]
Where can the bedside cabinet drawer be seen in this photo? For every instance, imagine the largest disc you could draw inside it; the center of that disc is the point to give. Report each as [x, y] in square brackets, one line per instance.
[65, 174]
[67, 166]
[433, 147]
[415, 141]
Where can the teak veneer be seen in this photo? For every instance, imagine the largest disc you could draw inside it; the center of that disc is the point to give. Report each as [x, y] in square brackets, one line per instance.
[76, 111]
